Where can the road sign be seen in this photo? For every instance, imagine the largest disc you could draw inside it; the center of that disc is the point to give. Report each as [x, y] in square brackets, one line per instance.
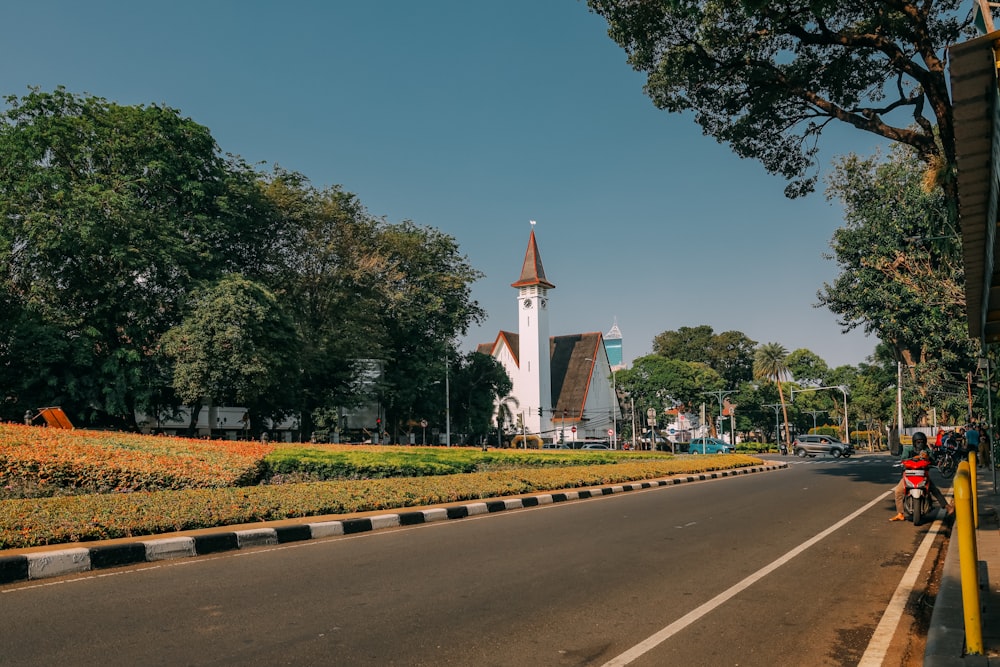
[573, 429]
[423, 423]
[611, 431]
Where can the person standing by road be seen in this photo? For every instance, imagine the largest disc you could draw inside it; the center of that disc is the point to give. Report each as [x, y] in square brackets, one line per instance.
[971, 439]
[983, 448]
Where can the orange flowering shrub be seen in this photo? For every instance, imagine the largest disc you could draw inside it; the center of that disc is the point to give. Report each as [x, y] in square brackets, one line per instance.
[106, 461]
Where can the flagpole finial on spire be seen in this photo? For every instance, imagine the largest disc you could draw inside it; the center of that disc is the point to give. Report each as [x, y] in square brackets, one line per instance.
[533, 223]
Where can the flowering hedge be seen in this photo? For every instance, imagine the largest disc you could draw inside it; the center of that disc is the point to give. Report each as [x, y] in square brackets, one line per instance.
[104, 461]
[123, 485]
[34, 522]
[324, 462]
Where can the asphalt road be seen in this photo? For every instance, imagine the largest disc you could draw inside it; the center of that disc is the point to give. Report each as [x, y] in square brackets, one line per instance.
[793, 567]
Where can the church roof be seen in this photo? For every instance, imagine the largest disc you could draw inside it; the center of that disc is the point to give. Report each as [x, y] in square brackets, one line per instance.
[532, 272]
[504, 338]
[572, 362]
[571, 367]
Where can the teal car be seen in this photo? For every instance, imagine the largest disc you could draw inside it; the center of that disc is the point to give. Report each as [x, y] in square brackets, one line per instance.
[709, 446]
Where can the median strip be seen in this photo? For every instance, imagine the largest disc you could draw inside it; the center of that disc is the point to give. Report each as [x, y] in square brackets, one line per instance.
[53, 563]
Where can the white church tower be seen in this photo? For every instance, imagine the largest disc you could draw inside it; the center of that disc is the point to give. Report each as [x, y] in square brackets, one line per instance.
[535, 378]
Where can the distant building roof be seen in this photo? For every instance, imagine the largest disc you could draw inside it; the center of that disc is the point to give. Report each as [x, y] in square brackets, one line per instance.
[614, 333]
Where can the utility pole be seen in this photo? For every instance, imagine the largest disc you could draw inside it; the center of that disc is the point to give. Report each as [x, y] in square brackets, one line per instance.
[777, 428]
[720, 395]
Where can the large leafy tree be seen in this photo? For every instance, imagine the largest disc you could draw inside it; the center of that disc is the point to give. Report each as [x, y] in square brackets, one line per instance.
[807, 368]
[873, 396]
[656, 382]
[237, 346]
[117, 222]
[770, 363]
[110, 215]
[769, 77]
[332, 281]
[901, 274]
[478, 382]
[751, 413]
[424, 304]
[729, 353]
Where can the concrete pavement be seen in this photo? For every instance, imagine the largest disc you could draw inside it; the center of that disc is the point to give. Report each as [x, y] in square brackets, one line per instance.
[946, 635]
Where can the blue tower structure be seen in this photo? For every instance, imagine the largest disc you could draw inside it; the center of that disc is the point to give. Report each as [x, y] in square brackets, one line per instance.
[613, 345]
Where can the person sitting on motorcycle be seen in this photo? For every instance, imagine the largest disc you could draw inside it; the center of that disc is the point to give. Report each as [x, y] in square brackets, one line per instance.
[920, 453]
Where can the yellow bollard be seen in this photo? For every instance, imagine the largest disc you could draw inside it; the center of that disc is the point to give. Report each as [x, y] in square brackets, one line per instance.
[968, 559]
[975, 494]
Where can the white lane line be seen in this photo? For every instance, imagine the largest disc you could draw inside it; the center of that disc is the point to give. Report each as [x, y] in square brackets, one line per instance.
[878, 647]
[666, 633]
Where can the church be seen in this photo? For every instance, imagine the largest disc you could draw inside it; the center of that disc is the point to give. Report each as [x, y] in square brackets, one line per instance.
[563, 386]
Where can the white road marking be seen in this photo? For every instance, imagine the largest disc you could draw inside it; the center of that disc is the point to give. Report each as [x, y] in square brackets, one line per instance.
[879, 644]
[666, 633]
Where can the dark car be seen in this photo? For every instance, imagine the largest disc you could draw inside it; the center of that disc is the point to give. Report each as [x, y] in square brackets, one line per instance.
[811, 445]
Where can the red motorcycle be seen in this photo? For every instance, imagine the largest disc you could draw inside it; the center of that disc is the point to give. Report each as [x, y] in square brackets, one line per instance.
[917, 501]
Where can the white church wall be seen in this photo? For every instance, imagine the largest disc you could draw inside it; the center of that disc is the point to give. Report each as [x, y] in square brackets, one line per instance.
[600, 409]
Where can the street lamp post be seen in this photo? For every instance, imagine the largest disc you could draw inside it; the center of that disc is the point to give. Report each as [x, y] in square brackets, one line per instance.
[635, 442]
[614, 412]
[814, 413]
[721, 395]
[447, 404]
[777, 428]
[843, 390]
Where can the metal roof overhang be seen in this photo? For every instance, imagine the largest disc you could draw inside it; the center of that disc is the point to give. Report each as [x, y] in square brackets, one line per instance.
[976, 115]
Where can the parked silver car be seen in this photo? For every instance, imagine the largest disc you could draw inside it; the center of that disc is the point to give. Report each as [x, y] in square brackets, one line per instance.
[811, 445]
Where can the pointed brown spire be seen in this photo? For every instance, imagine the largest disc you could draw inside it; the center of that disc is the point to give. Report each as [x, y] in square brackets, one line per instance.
[532, 272]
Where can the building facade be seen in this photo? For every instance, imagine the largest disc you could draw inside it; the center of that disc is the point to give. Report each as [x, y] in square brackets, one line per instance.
[563, 386]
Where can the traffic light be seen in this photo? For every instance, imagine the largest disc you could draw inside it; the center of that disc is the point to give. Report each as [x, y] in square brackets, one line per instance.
[539, 412]
[378, 424]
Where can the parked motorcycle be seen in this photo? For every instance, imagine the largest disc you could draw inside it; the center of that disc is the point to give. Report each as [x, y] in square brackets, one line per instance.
[917, 501]
[947, 460]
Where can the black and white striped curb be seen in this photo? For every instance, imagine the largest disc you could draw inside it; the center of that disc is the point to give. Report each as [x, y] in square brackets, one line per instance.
[61, 562]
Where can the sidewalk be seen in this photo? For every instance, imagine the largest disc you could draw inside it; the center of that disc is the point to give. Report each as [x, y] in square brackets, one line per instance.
[946, 635]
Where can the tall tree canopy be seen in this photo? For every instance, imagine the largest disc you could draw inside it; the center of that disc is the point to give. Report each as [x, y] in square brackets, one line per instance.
[110, 215]
[660, 383]
[769, 77]
[807, 368]
[240, 324]
[770, 363]
[730, 354]
[477, 381]
[121, 223]
[901, 274]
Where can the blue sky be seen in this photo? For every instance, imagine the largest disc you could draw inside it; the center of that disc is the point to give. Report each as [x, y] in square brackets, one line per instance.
[474, 118]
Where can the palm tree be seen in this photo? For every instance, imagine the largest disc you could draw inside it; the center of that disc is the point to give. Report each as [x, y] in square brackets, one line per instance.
[769, 363]
[506, 409]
